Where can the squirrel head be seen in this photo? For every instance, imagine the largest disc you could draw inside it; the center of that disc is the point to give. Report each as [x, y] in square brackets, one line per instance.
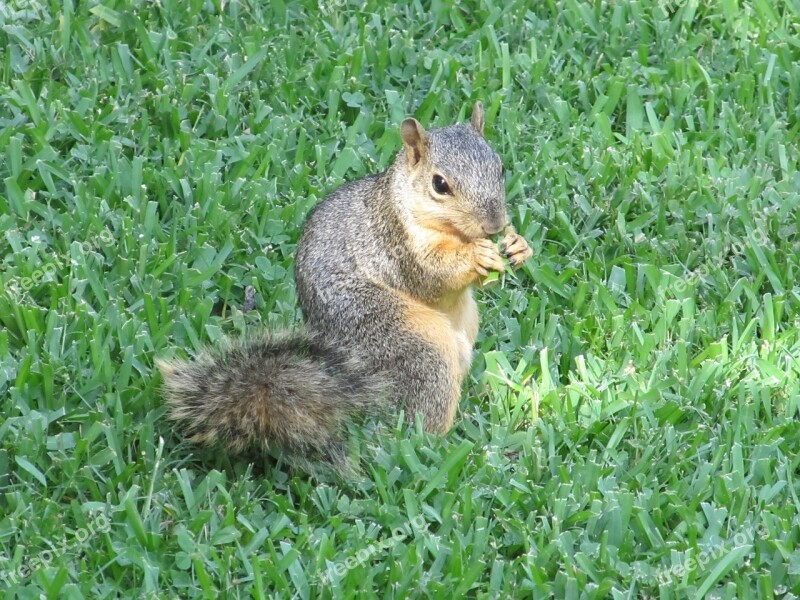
[456, 178]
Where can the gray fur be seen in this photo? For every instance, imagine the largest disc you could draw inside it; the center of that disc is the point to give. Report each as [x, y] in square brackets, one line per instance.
[356, 240]
[355, 255]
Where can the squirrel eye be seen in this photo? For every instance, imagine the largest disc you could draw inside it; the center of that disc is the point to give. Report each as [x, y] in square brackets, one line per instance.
[441, 186]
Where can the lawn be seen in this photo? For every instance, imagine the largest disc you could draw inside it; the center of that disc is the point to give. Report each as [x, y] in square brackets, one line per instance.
[631, 425]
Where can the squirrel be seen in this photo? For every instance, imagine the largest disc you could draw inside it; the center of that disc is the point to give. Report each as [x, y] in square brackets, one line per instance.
[384, 271]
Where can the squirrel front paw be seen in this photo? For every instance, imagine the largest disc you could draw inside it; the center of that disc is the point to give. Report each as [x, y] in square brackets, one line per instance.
[487, 257]
[516, 248]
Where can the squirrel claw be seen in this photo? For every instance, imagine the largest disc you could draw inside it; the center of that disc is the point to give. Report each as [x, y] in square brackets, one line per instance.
[516, 248]
[487, 257]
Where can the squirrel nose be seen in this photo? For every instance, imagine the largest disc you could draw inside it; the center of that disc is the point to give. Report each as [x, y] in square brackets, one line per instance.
[494, 225]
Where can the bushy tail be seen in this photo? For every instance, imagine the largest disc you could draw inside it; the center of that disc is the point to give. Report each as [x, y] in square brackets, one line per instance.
[292, 393]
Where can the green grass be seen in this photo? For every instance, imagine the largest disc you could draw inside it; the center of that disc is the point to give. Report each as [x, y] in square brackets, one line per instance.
[633, 407]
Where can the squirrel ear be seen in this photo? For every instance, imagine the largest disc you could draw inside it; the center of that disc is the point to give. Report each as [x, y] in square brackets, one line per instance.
[477, 117]
[414, 140]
